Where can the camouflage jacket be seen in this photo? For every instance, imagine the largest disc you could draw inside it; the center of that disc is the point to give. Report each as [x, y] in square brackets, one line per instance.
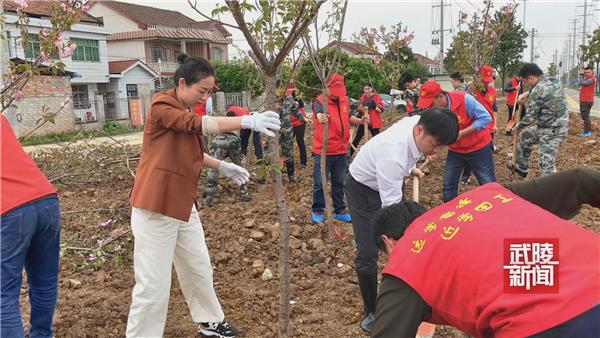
[546, 105]
[226, 141]
[289, 107]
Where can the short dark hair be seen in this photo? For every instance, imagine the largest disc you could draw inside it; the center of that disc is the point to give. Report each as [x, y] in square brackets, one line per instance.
[393, 220]
[406, 78]
[530, 69]
[192, 69]
[368, 84]
[457, 76]
[440, 123]
[590, 67]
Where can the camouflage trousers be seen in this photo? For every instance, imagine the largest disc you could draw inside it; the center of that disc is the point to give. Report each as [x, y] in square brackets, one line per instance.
[549, 140]
[286, 144]
[212, 180]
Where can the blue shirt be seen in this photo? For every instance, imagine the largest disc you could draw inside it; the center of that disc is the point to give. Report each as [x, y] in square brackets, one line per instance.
[476, 111]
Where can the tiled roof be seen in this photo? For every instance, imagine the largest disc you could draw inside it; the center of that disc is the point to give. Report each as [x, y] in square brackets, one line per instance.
[117, 67]
[44, 8]
[425, 60]
[353, 47]
[169, 34]
[147, 16]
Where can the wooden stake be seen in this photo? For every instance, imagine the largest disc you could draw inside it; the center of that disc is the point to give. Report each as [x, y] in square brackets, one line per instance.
[366, 124]
[517, 118]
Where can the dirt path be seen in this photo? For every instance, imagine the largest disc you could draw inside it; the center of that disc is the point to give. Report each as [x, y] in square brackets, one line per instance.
[131, 139]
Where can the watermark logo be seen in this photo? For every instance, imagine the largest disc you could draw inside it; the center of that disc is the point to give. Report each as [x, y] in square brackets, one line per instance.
[531, 265]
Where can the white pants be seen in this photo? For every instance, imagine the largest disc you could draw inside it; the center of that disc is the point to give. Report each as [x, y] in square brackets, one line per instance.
[161, 241]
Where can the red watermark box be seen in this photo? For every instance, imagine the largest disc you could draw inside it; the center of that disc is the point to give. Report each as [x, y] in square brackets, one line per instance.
[531, 265]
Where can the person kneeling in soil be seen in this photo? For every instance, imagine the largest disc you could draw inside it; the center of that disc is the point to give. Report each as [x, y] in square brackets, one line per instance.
[226, 145]
[164, 219]
[456, 264]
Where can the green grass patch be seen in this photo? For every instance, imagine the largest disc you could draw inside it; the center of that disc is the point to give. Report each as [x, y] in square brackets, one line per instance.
[110, 128]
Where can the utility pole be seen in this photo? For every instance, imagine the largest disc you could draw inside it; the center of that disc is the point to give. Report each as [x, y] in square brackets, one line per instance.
[440, 31]
[574, 50]
[584, 28]
[533, 31]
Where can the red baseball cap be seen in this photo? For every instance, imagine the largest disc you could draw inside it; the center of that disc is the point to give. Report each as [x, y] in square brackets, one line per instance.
[290, 91]
[486, 73]
[336, 85]
[428, 92]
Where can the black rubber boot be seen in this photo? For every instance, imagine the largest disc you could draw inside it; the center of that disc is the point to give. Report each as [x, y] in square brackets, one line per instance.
[368, 290]
[289, 166]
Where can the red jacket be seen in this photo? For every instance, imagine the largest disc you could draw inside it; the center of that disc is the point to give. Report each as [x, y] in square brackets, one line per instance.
[474, 141]
[20, 179]
[338, 127]
[586, 93]
[462, 269]
[295, 121]
[487, 100]
[376, 121]
[511, 97]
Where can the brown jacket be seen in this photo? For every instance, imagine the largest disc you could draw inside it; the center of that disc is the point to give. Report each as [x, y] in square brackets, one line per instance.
[167, 175]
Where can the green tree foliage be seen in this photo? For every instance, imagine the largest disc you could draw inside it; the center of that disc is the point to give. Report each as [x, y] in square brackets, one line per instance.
[239, 75]
[397, 54]
[479, 38]
[591, 52]
[508, 55]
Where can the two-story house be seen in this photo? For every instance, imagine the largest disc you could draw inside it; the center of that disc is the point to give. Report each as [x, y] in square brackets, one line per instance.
[156, 36]
[89, 61]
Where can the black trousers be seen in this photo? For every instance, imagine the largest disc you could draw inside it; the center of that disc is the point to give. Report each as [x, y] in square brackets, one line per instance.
[585, 108]
[363, 203]
[299, 134]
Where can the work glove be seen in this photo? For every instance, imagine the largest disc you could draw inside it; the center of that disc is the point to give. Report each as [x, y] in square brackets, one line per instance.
[267, 123]
[238, 174]
[370, 103]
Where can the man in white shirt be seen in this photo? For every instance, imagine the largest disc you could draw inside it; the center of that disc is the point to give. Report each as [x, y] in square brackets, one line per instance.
[375, 180]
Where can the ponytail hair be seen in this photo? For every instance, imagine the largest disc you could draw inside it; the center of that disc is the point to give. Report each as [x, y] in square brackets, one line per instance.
[192, 69]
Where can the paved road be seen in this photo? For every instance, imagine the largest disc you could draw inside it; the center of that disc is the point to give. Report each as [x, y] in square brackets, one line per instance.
[132, 139]
[573, 102]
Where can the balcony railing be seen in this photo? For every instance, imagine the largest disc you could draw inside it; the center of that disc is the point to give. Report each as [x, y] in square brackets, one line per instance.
[165, 67]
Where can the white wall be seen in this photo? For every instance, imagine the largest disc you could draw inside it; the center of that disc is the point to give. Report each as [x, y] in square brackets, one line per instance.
[113, 20]
[90, 72]
[126, 50]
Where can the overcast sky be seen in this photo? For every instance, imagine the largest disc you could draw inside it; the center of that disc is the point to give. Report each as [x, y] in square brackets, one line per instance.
[549, 18]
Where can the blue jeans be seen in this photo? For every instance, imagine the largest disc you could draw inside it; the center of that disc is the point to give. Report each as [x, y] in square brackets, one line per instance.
[585, 325]
[30, 238]
[336, 166]
[481, 163]
[245, 137]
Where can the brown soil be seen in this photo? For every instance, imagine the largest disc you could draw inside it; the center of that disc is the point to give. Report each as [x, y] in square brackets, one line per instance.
[324, 288]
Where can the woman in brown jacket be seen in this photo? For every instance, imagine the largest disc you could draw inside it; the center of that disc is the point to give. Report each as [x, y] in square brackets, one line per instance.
[164, 218]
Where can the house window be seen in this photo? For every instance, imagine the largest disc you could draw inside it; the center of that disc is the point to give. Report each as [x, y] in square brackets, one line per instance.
[32, 49]
[217, 54]
[81, 99]
[159, 53]
[87, 50]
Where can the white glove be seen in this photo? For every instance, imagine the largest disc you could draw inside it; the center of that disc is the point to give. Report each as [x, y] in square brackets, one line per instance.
[267, 123]
[238, 174]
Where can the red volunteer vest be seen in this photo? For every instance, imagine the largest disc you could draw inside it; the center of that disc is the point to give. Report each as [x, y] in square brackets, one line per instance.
[338, 128]
[376, 120]
[487, 100]
[476, 140]
[586, 93]
[459, 270]
[239, 111]
[20, 179]
[295, 121]
[511, 97]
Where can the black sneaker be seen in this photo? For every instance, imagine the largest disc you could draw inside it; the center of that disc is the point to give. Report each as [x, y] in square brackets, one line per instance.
[220, 330]
[512, 167]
